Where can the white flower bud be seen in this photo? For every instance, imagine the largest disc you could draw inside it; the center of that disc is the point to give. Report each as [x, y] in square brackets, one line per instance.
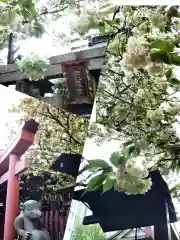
[174, 110]
[156, 115]
[161, 83]
[141, 93]
[137, 55]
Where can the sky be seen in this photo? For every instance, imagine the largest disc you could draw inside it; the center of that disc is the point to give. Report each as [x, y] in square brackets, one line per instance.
[44, 46]
[52, 42]
[8, 97]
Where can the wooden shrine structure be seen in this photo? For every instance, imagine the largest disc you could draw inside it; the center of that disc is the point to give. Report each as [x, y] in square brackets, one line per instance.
[55, 204]
[15, 189]
[10, 73]
[80, 68]
[11, 166]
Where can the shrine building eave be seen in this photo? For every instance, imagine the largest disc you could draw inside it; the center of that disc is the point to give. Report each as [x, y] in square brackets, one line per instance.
[18, 146]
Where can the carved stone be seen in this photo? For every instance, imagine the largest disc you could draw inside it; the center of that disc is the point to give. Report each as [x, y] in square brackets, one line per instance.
[28, 224]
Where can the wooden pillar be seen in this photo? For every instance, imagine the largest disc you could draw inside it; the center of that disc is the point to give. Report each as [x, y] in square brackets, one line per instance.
[12, 199]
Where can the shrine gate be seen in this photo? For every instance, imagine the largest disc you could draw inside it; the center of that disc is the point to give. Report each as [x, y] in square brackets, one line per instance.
[12, 164]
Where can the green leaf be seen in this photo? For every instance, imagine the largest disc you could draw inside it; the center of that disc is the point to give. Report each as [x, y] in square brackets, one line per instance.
[142, 144]
[95, 182]
[122, 116]
[88, 167]
[130, 150]
[128, 143]
[175, 81]
[108, 170]
[168, 73]
[110, 22]
[117, 158]
[137, 151]
[101, 27]
[163, 45]
[32, 10]
[117, 21]
[99, 163]
[109, 184]
[164, 56]
[105, 7]
[160, 55]
[133, 151]
[175, 59]
[38, 30]
[95, 165]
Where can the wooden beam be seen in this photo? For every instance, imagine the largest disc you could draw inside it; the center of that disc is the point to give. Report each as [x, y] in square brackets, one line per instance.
[14, 75]
[19, 145]
[21, 166]
[90, 53]
[94, 55]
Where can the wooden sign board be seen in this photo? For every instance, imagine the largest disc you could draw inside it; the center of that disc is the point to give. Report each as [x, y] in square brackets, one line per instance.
[78, 81]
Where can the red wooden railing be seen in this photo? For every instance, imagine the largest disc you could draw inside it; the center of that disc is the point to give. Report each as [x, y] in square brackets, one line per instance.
[54, 220]
[55, 212]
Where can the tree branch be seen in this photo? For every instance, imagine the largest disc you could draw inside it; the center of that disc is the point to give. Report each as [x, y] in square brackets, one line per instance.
[64, 127]
[53, 11]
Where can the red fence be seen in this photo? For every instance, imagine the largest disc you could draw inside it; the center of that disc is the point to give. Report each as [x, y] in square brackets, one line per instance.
[54, 220]
[55, 208]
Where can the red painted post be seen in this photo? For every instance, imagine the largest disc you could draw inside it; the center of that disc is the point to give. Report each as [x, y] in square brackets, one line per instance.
[12, 198]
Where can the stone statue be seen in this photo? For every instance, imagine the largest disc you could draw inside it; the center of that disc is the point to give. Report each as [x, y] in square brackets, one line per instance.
[28, 224]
